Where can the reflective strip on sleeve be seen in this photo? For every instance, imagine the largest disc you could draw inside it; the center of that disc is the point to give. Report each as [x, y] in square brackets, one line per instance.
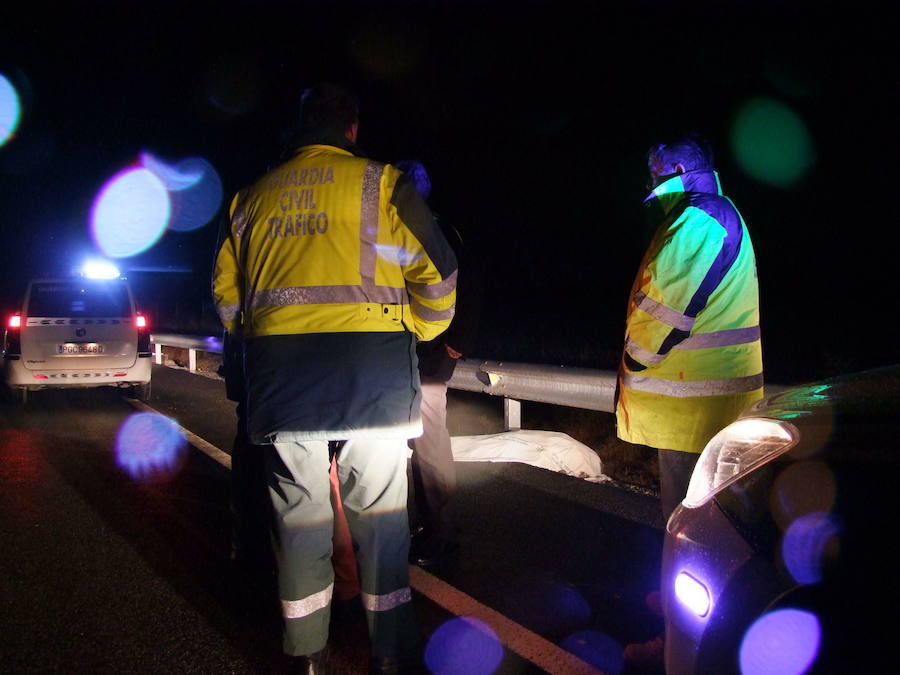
[325, 295]
[429, 314]
[228, 312]
[239, 219]
[435, 291]
[679, 389]
[663, 313]
[640, 354]
[722, 338]
[297, 609]
[384, 603]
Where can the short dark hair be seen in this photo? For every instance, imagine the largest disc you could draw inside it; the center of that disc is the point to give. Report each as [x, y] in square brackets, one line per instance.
[417, 174]
[690, 149]
[328, 107]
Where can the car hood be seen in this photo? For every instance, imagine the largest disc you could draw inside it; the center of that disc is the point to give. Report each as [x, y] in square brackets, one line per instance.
[851, 415]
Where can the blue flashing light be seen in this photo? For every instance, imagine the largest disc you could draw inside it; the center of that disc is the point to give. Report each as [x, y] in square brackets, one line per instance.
[100, 269]
[692, 593]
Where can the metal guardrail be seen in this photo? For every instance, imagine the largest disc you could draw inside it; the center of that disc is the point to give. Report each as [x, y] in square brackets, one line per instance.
[515, 382]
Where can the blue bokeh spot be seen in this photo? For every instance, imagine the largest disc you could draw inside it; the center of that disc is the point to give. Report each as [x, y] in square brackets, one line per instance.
[783, 642]
[596, 648]
[194, 187]
[130, 214]
[150, 447]
[805, 544]
[463, 646]
[10, 110]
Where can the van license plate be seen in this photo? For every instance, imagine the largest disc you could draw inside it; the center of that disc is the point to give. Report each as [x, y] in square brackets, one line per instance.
[79, 348]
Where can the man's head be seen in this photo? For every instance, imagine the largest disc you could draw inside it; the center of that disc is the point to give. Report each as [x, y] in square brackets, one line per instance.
[329, 107]
[417, 174]
[687, 152]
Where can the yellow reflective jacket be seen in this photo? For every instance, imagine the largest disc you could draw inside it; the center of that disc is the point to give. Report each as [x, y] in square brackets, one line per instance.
[693, 358]
[319, 245]
[331, 270]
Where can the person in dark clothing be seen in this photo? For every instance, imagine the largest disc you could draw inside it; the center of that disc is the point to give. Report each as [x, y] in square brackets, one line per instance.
[251, 509]
[435, 533]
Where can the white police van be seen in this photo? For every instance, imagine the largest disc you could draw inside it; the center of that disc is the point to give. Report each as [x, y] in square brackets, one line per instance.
[80, 331]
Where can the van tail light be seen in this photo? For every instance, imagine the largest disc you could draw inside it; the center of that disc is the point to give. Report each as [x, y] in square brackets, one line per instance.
[143, 329]
[12, 344]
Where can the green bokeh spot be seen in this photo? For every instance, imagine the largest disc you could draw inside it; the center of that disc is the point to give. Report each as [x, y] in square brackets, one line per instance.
[771, 143]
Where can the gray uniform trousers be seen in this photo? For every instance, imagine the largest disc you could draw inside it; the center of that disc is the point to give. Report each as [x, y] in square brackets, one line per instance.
[372, 474]
[434, 474]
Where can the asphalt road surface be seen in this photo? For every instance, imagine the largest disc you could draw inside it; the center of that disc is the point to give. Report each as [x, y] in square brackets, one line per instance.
[107, 566]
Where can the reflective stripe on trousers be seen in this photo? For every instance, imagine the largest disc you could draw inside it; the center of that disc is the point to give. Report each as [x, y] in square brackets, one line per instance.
[372, 474]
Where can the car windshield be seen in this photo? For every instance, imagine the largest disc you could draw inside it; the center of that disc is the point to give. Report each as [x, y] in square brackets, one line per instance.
[79, 299]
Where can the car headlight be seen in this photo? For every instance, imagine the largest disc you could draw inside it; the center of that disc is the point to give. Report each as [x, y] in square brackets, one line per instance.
[736, 450]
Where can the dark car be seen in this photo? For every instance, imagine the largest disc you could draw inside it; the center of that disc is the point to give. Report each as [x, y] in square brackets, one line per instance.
[781, 558]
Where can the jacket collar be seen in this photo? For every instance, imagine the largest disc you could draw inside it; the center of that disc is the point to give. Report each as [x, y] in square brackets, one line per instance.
[669, 192]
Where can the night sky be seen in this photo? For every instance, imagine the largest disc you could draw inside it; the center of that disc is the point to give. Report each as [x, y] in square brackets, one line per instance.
[533, 119]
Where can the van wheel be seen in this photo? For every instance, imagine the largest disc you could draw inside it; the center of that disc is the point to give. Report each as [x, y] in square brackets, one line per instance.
[141, 391]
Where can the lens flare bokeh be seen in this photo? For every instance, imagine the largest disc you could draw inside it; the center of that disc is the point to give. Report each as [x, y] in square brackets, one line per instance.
[150, 447]
[771, 143]
[463, 646]
[195, 190]
[783, 642]
[547, 605]
[10, 110]
[806, 544]
[802, 488]
[130, 214]
[596, 648]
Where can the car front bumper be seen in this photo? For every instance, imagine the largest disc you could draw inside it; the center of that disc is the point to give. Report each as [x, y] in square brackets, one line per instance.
[703, 544]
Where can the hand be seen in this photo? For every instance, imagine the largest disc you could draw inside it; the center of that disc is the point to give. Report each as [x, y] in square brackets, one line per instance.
[452, 352]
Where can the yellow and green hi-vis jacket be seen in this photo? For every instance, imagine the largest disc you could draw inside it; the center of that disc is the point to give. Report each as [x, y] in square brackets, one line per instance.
[693, 358]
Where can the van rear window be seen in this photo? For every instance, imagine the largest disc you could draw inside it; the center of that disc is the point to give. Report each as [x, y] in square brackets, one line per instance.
[79, 298]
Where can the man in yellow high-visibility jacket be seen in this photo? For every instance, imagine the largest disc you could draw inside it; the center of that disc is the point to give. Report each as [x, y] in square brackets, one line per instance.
[332, 270]
[692, 359]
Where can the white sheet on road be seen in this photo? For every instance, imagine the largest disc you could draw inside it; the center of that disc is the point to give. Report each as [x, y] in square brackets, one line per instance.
[551, 450]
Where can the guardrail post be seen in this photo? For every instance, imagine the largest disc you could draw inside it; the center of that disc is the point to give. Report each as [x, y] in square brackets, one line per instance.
[512, 414]
[157, 350]
[192, 360]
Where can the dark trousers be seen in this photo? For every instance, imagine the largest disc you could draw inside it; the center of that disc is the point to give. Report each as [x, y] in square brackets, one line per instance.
[251, 508]
[675, 469]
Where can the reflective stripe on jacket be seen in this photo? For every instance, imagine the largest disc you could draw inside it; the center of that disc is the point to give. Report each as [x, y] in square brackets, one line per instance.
[320, 245]
[693, 358]
[331, 270]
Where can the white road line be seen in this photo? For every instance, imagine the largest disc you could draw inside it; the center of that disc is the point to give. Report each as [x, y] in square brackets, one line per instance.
[518, 639]
[202, 445]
